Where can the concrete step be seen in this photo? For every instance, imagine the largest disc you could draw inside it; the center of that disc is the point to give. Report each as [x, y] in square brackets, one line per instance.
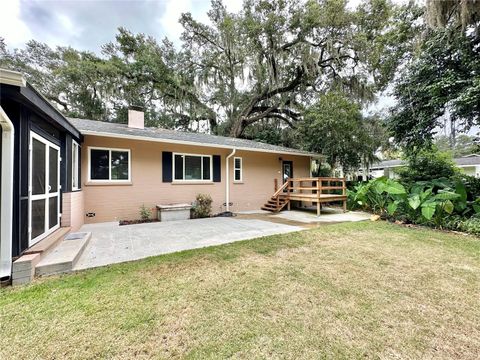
[63, 258]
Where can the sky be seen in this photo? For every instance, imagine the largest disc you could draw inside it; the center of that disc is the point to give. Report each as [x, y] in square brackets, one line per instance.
[88, 24]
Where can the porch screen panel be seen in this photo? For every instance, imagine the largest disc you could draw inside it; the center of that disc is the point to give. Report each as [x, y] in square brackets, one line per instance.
[38, 167]
[53, 212]
[53, 170]
[38, 217]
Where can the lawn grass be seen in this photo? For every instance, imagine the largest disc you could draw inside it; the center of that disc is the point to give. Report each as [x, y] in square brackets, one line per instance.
[354, 290]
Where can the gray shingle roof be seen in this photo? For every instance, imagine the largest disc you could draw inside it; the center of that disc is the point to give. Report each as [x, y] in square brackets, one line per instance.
[468, 160]
[387, 164]
[461, 161]
[93, 127]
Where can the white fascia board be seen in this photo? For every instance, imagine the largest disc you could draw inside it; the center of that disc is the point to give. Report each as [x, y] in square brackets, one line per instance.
[10, 77]
[191, 143]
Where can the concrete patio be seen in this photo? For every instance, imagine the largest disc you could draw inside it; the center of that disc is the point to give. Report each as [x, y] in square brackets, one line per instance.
[329, 215]
[108, 243]
[308, 216]
[111, 243]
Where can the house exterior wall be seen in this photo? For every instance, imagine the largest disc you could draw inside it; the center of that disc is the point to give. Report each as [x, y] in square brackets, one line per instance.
[73, 210]
[31, 114]
[113, 202]
[473, 170]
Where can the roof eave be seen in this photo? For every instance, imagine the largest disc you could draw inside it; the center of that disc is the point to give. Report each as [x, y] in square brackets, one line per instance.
[14, 78]
[192, 143]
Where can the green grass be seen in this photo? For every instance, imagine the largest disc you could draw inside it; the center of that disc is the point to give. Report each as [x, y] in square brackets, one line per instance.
[355, 290]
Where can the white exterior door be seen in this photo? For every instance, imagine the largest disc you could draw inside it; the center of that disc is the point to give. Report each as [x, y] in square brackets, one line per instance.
[44, 188]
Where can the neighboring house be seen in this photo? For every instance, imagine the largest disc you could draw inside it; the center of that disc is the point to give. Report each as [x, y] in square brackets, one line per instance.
[59, 172]
[469, 164]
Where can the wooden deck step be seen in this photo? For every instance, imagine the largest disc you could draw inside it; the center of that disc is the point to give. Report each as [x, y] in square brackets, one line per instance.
[311, 190]
[48, 243]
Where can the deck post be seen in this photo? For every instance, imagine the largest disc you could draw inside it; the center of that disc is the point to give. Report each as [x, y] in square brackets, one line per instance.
[319, 192]
[344, 193]
[290, 184]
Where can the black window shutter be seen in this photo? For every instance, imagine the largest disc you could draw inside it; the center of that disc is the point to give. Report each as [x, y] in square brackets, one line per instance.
[217, 168]
[166, 166]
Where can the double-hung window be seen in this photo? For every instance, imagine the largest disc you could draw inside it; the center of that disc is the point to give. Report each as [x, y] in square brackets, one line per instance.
[189, 167]
[109, 164]
[75, 165]
[237, 169]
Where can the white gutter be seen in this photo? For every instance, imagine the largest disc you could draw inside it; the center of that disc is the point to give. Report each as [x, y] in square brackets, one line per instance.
[227, 179]
[6, 190]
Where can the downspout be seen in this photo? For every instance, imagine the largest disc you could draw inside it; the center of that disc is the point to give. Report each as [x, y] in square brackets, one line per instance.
[227, 179]
[6, 189]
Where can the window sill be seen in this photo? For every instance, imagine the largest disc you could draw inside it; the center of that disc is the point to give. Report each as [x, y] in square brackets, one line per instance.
[108, 183]
[238, 182]
[192, 182]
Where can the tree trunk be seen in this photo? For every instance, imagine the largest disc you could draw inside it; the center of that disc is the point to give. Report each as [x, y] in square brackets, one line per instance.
[238, 127]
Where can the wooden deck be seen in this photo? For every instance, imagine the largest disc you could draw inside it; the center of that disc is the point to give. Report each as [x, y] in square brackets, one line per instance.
[312, 190]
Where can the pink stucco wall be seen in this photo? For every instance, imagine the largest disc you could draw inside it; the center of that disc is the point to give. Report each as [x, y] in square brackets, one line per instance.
[73, 211]
[113, 201]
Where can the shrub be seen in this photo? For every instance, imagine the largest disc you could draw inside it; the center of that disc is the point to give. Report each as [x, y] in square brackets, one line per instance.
[380, 195]
[202, 207]
[440, 203]
[471, 225]
[472, 186]
[145, 212]
[427, 165]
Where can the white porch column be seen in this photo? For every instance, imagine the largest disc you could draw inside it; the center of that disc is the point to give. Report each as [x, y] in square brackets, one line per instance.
[6, 189]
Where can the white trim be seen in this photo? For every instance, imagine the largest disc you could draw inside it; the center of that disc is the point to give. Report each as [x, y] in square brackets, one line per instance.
[75, 172]
[6, 188]
[192, 143]
[186, 181]
[235, 169]
[10, 77]
[227, 176]
[47, 195]
[109, 180]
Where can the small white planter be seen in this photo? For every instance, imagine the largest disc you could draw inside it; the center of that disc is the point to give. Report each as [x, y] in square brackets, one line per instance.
[173, 212]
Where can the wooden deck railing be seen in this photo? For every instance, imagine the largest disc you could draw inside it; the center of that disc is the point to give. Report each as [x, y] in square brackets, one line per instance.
[279, 192]
[316, 190]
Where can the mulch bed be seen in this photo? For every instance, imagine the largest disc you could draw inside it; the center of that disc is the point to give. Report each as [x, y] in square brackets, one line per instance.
[134, 222]
[138, 221]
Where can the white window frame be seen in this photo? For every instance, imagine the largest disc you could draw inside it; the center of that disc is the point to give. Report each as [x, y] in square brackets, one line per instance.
[109, 180]
[201, 168]
[235, 169]
[75, 171]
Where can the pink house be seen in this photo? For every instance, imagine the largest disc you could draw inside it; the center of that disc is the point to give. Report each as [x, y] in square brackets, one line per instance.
[59, 173]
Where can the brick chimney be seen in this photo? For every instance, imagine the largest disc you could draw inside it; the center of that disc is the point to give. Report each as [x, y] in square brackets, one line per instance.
[136, 118]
